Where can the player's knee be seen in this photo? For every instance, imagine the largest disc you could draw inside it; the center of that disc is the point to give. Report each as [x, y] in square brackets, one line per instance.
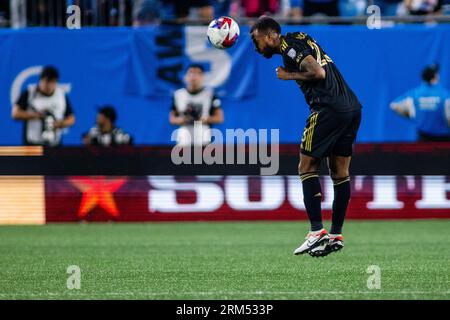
[308, 164]
[303, 168]
[339, 167]
[339, 173]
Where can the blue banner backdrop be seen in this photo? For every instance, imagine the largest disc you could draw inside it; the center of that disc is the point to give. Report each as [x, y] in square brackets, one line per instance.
[137, 69]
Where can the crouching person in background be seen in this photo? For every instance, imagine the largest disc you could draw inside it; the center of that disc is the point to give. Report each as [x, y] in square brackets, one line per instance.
[105, 133]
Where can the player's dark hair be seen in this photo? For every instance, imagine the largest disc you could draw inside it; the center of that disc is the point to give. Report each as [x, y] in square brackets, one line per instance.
[109, 112]
[265, 24]
[49, 73]
[196, 66]
[430, 72]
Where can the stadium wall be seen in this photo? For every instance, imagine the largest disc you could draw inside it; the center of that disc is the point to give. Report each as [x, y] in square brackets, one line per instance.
[169, 198]
[39, 200]
[141, 184]
[22, 200]
[137, 70]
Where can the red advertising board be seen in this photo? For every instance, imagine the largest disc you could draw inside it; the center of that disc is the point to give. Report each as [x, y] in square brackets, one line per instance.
[170, 198]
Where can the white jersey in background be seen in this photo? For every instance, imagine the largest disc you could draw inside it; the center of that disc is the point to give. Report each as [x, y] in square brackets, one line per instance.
[196, 105]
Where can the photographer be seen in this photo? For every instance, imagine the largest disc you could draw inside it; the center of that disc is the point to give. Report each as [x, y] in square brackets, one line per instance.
[195, 108]
[105, 133]
[45, 110]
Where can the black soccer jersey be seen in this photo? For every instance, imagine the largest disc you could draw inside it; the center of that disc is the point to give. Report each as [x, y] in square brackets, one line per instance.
[332, 92]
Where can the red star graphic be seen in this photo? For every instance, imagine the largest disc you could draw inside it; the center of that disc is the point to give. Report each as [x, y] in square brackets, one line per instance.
[97, 191]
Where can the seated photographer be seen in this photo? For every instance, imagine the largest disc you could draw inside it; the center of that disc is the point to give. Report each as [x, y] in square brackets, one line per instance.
[45, 110]
[195, 108]
[105, 133]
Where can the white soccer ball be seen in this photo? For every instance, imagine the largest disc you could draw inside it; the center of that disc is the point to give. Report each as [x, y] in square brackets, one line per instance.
[223, 32]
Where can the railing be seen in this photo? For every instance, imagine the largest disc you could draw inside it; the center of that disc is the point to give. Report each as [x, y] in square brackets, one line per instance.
[384, 20]
[26, 13]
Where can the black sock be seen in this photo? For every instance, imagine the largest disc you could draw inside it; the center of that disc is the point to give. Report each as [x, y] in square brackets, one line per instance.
[312, 197]
[340, 203]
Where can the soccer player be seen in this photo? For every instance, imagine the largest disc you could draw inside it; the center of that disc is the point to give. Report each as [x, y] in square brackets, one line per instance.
[330, 131]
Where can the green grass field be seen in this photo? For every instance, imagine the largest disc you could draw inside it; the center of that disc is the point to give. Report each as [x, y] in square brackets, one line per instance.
[223, 261]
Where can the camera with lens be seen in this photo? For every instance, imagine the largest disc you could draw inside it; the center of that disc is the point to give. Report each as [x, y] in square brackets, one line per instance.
[193, 112]
[48, 129]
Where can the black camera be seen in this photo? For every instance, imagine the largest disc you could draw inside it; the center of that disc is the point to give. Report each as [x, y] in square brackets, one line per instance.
[48, 125]
[194, 111]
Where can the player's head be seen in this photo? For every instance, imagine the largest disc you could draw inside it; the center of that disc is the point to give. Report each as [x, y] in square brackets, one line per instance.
[106, 116]
[431, 74]
[48, 80]
[265, 34]
[194, 77]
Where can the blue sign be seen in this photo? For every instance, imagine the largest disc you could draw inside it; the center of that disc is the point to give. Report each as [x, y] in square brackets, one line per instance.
[137, 69]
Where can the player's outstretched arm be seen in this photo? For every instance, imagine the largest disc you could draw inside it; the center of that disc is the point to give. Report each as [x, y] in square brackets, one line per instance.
[403, 106]
[309, 70]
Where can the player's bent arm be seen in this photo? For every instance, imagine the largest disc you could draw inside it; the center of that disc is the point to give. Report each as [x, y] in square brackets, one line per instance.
[309, 70]
[20, 114]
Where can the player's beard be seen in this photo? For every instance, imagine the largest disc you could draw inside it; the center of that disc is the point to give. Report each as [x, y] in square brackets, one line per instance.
[268, 52]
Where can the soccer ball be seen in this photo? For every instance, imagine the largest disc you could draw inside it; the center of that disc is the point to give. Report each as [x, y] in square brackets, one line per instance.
[223, 32]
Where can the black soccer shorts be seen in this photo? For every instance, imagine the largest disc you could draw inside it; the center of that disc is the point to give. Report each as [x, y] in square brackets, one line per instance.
[328, 132]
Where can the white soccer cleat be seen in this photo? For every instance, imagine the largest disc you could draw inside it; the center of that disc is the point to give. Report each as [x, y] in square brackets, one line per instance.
[313, 240]
[334, 244]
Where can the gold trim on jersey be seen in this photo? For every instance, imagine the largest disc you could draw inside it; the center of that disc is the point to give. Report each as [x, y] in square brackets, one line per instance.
[315, 47]
[284, 45]
[319, 59]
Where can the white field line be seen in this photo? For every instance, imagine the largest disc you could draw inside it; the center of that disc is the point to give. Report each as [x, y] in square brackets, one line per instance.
[209, 293]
